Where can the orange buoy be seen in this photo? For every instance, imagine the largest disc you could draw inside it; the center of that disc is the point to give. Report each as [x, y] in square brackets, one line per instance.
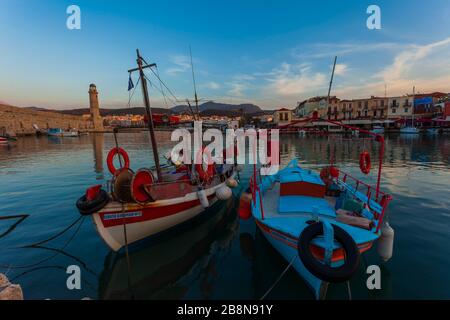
[110, 160]
[364, 162]
[245, 210]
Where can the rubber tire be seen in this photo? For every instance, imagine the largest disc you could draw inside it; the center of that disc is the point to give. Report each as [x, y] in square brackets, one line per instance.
[320, 270]
[87, 208]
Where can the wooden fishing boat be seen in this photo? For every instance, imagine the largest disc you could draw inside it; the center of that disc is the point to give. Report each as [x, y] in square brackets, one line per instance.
[145, 203]
[321, 223]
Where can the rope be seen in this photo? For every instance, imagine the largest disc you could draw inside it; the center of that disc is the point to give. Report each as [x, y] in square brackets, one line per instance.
[52, 237]
[131, 94]
[35, 245]
[279, 278]
[160, 85]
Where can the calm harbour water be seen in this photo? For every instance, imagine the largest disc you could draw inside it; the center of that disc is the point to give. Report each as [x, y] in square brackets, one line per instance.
[220, 257]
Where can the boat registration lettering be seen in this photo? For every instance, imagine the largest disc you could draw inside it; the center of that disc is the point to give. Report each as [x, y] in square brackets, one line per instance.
[124, 215]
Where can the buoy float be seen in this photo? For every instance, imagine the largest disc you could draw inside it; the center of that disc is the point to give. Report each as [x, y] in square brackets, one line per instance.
[203, 198]
[232, 183]
[205, 174]
[245, 211]
[386, 242]
[364, 162]
[110, 159]
[224, 193]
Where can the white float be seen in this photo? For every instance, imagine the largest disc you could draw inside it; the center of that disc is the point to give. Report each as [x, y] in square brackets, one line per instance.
[386, 242]
[224, 193]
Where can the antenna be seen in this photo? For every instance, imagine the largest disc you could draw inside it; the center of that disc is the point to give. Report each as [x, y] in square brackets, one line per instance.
[195, 86]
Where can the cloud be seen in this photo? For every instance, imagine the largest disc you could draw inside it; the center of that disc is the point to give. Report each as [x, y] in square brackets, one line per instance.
[237, 89]
[293, 80]
[326, 50]
[415, 56]
[182, 64]
[341, 69]
[211, 85]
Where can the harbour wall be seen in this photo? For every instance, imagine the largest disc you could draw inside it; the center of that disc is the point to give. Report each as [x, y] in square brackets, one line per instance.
[19, 121]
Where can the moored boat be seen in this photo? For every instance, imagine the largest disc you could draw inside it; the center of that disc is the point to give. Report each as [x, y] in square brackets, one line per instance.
[409, 130]
[58, 132]
[378, 130]
[145, 203]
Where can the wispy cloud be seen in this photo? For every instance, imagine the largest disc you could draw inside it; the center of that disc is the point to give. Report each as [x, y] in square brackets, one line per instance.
[341, 69]
[211, 85]
[294, 80]
[181, 64]
[326, 50]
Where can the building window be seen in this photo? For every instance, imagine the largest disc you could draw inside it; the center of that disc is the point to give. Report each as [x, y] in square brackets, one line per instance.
[375, 113]
[406, 110]
[365, 113]
[359, 104]
[366, 104]
[382, 103]
[394, 110]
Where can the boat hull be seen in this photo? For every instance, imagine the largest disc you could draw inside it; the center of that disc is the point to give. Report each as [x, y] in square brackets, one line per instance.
[288, 250]
[287, 246]
[143, 221]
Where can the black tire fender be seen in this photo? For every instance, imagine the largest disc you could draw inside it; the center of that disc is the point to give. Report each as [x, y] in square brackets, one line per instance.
[320, 270]
[86, 207]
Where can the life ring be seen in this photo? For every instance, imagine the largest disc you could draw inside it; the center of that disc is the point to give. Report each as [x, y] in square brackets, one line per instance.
[321, 270]
[364, 162]
[88, 207]
[204, 174]
[110, 159]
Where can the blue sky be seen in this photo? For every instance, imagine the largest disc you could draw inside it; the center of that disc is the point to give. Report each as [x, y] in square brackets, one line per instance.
[272, 53]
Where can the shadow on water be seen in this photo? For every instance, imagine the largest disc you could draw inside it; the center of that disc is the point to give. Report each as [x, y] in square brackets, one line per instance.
[156, 268]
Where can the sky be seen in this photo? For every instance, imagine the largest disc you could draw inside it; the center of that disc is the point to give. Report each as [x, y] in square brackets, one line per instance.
[271, 53]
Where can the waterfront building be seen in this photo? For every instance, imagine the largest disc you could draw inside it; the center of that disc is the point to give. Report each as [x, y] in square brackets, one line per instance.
[400, 107]
[282, 116]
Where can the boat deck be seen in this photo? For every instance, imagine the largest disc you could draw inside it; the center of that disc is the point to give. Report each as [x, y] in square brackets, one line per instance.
[300, 210]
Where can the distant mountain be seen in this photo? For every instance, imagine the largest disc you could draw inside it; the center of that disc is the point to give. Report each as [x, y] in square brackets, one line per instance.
[209, 108]
[219, 107]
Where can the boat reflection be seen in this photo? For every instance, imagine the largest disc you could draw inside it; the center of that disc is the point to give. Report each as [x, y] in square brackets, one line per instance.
[159, 270]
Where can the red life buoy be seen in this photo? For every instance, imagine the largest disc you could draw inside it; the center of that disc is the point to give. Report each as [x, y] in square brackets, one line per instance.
[364, 162]
[205, 174]
[110, 160]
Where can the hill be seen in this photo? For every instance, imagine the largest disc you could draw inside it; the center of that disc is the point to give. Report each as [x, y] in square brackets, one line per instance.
[220, 107]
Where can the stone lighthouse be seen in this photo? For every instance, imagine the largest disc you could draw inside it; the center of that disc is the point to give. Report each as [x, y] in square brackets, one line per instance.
[95, 108]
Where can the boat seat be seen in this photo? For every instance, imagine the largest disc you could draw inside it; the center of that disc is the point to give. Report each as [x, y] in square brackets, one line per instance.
[305, 204]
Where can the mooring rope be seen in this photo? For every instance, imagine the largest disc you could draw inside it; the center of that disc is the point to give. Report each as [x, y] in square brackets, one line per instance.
[279, 278]
[35, 245]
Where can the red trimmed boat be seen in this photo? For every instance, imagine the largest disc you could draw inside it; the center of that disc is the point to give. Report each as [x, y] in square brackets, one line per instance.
[145, 203]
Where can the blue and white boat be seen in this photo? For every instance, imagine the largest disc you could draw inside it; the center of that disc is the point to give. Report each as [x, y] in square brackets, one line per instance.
[58, 132]
[321, 236]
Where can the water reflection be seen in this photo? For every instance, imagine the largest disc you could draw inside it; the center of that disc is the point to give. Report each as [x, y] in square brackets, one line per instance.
[98, 142]
[220, 257]
[161, 270]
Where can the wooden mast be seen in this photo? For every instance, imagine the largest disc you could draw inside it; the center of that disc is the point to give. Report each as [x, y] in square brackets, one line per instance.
[148, 110]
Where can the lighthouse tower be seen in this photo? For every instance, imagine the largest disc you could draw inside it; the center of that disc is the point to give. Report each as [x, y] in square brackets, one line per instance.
[95, 108]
